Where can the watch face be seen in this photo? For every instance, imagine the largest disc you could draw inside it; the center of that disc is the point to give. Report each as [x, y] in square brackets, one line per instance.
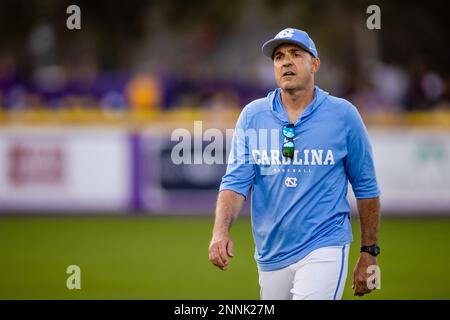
[373, 250]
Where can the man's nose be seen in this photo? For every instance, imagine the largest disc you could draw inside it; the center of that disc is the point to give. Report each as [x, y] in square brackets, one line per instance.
[287, 62]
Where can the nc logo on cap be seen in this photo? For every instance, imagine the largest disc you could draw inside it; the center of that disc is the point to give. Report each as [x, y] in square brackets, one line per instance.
[286, 33]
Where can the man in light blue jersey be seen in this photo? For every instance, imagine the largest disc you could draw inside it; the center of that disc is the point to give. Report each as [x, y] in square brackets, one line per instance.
[297, 149]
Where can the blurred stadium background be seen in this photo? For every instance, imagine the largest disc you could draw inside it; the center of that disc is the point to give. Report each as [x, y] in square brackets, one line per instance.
[86, 118]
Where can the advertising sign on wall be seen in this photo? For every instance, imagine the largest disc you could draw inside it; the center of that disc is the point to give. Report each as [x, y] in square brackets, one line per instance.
[69, 170]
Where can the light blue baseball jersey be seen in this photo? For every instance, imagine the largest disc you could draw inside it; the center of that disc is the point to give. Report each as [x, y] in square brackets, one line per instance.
[300, 204]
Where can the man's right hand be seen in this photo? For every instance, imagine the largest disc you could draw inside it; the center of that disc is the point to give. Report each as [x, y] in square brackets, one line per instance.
[220, 250]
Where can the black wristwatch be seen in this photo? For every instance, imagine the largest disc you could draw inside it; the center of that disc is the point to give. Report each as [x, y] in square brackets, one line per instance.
[374, 250]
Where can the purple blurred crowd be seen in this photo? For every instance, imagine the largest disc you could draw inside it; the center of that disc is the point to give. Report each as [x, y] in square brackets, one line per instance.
[386, 88]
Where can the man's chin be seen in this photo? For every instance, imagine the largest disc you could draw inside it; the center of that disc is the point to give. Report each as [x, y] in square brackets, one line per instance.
[290, 87]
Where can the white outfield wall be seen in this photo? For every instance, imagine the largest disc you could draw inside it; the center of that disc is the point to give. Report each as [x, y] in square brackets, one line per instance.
[94, 170]
[70, 169]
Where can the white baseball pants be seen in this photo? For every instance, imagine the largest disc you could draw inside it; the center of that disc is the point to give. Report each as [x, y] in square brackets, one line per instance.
[321, 275]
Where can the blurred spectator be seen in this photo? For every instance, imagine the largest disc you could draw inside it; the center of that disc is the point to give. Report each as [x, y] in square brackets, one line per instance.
[113, 100]
[390, 82]
[426, 88]
[208, 59]
[365, 97]
[223, 100]
[144, 92]
[16, 97]
[7, 76]
[7, 70]
[433, 87]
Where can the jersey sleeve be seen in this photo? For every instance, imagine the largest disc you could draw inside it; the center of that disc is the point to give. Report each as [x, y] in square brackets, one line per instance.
[240, 172]
[360, 166]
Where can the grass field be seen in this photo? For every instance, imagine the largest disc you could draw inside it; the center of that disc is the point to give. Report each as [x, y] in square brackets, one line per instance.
[166, 258]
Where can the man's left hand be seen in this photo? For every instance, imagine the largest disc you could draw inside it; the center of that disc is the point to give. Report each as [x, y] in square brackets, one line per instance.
[360, 274]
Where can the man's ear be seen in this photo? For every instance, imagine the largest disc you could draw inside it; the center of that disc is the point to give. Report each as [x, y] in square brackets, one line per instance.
[315, 65]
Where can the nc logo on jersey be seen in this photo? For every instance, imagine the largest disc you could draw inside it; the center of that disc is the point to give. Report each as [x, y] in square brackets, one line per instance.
[286, 33]
[290, 182]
